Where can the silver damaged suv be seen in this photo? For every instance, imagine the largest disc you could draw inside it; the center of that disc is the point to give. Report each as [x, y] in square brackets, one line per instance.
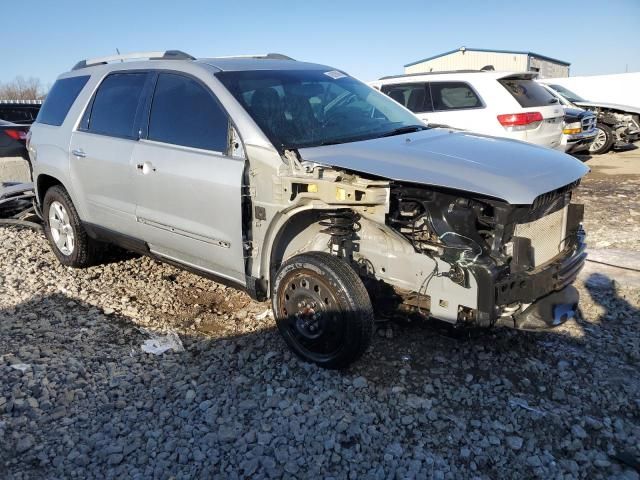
[297, 182]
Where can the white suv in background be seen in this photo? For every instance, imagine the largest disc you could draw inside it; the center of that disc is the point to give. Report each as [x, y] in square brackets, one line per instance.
[501, 104]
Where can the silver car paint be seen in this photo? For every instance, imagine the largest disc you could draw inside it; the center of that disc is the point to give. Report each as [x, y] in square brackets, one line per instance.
[513, 171]
[103, 180]
[188, 206]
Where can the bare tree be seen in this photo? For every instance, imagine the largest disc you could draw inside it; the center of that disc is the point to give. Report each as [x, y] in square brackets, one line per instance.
[21, 89]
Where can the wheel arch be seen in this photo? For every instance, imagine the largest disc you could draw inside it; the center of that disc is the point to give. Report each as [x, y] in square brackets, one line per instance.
[43, 183]
[296, 225]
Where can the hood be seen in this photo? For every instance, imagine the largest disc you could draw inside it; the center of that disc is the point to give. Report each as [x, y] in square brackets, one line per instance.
[513, 171]
[576, 114]
[614, 106]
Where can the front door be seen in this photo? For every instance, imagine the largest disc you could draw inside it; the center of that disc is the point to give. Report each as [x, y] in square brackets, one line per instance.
[187, 187]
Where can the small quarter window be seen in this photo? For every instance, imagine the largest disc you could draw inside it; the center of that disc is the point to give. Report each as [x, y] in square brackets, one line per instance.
[60, 99]
[185, 113]
[116, 104]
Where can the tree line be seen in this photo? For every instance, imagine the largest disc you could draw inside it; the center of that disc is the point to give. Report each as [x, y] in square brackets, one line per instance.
[22, 89]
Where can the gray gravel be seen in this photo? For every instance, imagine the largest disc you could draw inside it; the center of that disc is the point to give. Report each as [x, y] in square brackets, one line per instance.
[79, 399]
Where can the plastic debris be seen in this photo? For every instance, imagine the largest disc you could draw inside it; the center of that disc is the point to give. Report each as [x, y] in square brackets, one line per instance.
[158, 344]
[23, 367]
[516, 402]
[265, 314]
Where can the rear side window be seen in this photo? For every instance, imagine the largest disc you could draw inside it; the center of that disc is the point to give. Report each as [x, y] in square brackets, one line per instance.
[414, 96]
[59, 100]
[116, 104]
[453, 96]
[185, 113]
[527, 92]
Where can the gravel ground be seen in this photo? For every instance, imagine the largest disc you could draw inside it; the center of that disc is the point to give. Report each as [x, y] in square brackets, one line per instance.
[79, 399]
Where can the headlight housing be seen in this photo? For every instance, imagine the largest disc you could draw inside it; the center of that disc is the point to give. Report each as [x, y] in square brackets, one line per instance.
[572, 128]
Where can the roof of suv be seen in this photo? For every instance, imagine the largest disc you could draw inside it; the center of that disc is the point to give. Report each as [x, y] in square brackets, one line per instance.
[453, 75]
[269, 61]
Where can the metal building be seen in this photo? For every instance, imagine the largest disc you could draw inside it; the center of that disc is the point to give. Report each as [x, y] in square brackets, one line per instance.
[501, 60]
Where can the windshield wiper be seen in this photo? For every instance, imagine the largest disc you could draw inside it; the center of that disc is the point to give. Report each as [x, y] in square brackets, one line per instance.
[405, 129]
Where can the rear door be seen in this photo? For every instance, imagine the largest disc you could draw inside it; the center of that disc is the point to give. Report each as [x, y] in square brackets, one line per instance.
[101, 148]
[532, 97]
[187, 186]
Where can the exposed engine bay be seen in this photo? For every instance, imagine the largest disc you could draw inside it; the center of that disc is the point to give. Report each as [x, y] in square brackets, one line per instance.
[626, 126]
[489, 240]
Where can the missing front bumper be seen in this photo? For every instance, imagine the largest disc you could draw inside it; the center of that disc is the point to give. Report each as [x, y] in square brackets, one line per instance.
[547, 312]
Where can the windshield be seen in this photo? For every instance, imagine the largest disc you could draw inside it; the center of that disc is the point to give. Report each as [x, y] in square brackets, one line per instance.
[561, 99]
[568, 94]
[306, 108]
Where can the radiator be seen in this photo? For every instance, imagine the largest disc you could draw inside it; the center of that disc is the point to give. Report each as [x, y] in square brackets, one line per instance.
[547, 235]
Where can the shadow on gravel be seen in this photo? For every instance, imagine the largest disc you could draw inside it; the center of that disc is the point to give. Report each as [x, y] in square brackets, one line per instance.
[77, 394]
[78, 399]
[604, 292]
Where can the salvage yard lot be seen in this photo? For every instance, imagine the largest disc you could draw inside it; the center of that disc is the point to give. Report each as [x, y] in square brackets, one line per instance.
[79, 399]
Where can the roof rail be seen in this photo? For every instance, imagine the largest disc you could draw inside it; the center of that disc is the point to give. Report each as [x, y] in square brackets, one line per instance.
[159, 55]
[267, 56]
[441, 72]
[20, 102]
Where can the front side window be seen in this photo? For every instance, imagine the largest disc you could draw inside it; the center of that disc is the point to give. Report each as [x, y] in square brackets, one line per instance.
[116, 104]
[185, 113]
[305, 108]
[414, 96]
[453, 96]
[59, 100]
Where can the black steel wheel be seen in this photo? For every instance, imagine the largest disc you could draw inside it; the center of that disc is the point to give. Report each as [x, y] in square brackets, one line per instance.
[322, 309]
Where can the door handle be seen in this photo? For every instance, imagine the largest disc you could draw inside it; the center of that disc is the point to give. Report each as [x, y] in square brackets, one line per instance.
[79, 153]
[146, 167]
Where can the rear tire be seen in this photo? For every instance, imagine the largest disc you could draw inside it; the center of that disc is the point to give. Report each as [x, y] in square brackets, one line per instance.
[603, 141]
[322, 309]
[63, 228]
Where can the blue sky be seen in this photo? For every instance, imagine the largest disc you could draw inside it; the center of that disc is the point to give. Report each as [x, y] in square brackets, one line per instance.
[367, 39]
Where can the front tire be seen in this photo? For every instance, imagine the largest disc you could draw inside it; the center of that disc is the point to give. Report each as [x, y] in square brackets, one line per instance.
[322, 309]
[63, 228]
[603, 141]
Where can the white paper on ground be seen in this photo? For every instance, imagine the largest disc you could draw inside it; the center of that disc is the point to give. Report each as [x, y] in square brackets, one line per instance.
[158, 344]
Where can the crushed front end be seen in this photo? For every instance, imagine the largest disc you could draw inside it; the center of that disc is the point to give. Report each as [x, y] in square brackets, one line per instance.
[519, 259]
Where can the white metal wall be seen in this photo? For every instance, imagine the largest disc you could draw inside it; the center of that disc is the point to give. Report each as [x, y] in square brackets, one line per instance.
[472, 60]
[619, 88]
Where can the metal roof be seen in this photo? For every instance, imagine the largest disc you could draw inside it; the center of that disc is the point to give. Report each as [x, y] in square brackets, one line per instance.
[467, 49]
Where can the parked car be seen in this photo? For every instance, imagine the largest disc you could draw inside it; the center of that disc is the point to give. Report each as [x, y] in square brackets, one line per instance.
[502, 104]
[13, 140]
[23, 112]
[297, 182]
[618, 125]
[580, 125]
